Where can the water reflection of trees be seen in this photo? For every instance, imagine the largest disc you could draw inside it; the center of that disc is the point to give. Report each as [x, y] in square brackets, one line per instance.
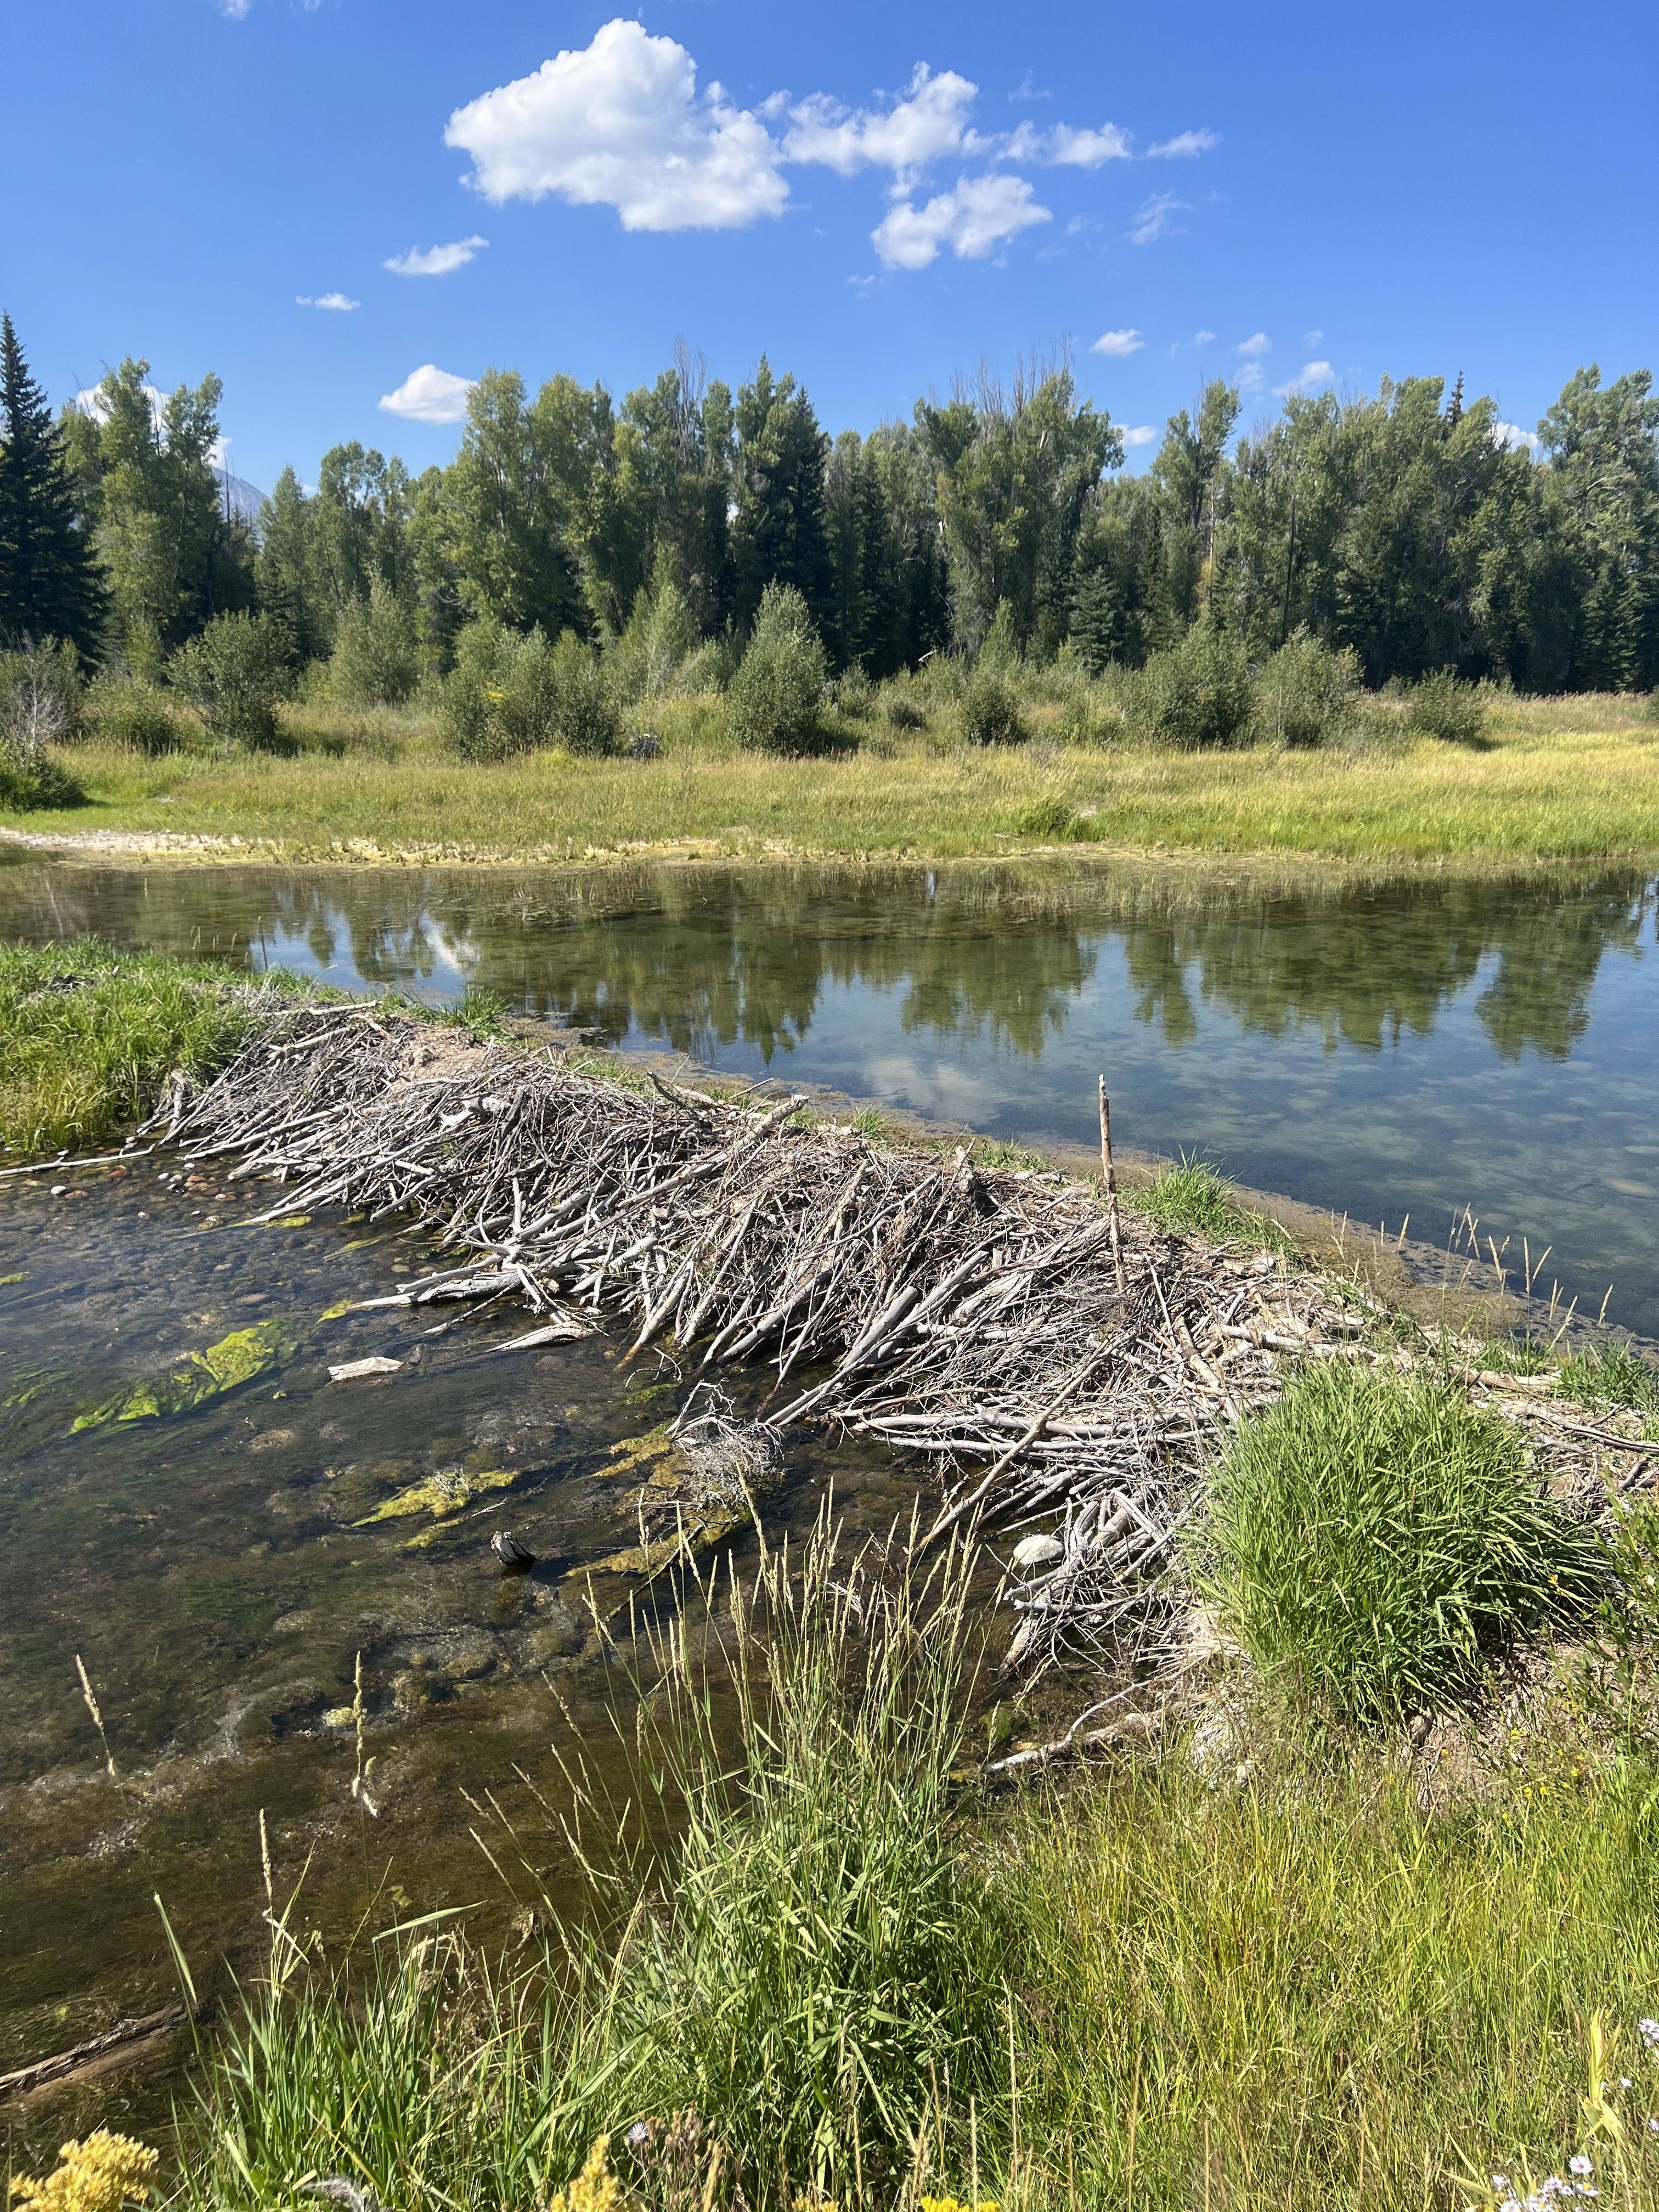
[699, 959]
[1364, 966]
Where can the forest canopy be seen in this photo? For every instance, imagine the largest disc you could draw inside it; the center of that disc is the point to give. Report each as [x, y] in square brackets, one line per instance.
[1412, 530]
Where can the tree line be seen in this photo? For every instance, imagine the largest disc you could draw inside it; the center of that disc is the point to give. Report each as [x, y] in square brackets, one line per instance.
[1410, 529]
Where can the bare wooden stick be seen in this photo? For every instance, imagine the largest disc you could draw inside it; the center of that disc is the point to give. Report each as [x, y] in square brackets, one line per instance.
[1109, 1174]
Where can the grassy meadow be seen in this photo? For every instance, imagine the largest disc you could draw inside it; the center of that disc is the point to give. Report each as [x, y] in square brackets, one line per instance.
[1554, 778]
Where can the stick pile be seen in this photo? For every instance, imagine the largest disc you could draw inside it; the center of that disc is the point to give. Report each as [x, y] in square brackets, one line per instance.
[902, 1293]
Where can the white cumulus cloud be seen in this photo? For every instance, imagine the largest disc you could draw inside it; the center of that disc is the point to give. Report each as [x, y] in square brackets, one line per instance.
[619, 123]
[336, 302]
[1118, 345]
[1155, 218]
[430, 395]
[1252, 349]
[1517, 440]
[435, 260]
[1313, 376]
[928, 123]
[1184, 144]
[972, 220]
[1203, 337]
[1066, 147]
[1143, 433]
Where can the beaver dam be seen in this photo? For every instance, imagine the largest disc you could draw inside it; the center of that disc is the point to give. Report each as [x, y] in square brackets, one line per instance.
[1066, 1372]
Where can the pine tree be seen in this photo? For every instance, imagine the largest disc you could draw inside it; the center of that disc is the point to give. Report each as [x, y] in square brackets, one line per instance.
[49, 584]
[1454, 404]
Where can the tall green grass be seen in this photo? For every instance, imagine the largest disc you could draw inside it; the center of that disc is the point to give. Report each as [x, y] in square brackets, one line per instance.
[816, 1967]
[1380, 1541]
[88, 1036]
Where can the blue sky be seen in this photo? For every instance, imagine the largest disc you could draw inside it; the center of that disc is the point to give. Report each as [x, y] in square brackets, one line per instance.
[879, 196]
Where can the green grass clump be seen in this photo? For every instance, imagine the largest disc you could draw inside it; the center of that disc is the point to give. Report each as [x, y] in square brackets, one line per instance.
[1614, 1376]
[1378, 1541]
[1193, 1198]
[88, 1036]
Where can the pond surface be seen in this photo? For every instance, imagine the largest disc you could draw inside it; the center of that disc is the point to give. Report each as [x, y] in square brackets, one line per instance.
[1409, 1046]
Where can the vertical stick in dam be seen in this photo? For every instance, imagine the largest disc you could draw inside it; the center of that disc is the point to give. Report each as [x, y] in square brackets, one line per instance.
[1108, 1175]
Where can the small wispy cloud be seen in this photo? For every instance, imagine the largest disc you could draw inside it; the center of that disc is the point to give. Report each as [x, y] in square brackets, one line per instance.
[430, 395]
[236, 9]
[1314, 377]
[1253, 348]
[1184, 145]
[436, 260]
[337, 303]
[1118, 345]
[1155, 218]
[1143, 433]
[1027, 88]
[1311, 338]
[1203, 337]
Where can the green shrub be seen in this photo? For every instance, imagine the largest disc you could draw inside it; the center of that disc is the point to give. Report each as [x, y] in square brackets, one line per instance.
[660, 638]
[36, 787]
[40, 700]
[854, 694]
[904, 714]
[1051, 819]
[40, 706]
[1307, 693]
[1441, 707]
[375, 662]
[776, 696]
[709, 668]
[989, 712]
[509, 694]
[126, 711]
[235, 671]
[1378, 1540]
[1198, 693]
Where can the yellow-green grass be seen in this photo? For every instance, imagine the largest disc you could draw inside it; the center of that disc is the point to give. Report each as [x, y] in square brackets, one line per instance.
[1572, 779]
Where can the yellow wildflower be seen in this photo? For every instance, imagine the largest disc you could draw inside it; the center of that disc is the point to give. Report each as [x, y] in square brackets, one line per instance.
[98, 2175]
[596, 2188]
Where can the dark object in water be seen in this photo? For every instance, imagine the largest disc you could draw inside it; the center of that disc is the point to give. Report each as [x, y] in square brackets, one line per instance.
[513, 1556]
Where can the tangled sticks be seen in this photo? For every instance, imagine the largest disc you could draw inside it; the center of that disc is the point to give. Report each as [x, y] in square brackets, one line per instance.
[899, 1292]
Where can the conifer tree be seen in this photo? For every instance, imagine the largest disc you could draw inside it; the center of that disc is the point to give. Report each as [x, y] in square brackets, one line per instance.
[50, 585]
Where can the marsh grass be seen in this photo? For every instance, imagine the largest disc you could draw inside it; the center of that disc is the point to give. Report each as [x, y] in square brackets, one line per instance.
[1559, 780]
[1377, 1543]
[1612, 1375]
[1194, 1199]
[88, 1036]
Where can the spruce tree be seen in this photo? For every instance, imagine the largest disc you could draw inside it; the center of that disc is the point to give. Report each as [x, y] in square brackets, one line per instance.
[50, 585]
